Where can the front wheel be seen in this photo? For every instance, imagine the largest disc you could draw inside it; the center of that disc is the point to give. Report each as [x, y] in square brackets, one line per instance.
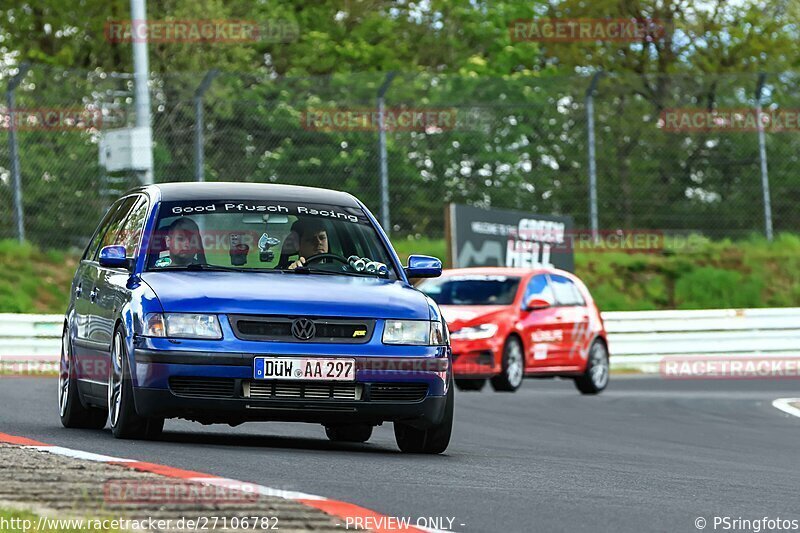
[595, 378]
[125, 421]
[72, 413]
[513, 367]
[433, 440]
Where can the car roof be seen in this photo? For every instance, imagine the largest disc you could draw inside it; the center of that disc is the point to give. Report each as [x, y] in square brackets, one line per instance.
[505, 271]
[209, 191]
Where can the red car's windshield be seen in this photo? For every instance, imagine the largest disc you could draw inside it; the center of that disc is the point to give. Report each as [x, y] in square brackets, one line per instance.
[472, 290]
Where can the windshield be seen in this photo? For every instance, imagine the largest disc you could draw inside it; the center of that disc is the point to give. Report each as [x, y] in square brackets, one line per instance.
[263, 236]
[471, 290]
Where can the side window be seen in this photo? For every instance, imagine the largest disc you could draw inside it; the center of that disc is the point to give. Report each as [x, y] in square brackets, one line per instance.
[566, 292]
[94, 245]
[540, 288]
[116, 222]
[131, 234]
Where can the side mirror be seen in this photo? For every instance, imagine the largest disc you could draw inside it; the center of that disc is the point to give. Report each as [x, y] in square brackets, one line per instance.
[423, 266]
[113, 257]
[535, 303]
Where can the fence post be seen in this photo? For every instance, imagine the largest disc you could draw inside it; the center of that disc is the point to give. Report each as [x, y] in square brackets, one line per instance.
[199, 125]
[385, 219]
[13, 150]
[762, 152]
[141, 75]
[592, 163]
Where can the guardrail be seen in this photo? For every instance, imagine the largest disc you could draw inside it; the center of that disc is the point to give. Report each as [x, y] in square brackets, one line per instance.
[638, 339]
[30, 335]
[642, 339]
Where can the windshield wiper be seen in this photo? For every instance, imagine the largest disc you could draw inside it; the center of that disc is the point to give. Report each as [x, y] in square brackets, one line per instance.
[306, 270]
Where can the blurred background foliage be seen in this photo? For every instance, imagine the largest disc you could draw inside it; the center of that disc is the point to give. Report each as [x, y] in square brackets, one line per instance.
[521, 143]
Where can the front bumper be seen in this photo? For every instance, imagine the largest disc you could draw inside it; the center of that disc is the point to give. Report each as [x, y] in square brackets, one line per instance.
[478, 358]
[165, 404]
[156, 394]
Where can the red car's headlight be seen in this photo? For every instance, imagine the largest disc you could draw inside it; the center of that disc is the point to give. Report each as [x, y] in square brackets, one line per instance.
[483, 331]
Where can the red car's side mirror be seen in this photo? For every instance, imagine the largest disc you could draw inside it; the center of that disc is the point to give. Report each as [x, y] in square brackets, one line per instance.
[535, 303]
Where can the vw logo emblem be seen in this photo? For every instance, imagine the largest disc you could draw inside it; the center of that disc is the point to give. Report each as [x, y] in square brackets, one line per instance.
[303, 329]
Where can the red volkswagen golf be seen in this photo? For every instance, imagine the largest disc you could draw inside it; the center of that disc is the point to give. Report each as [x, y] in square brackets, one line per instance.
[509, 323]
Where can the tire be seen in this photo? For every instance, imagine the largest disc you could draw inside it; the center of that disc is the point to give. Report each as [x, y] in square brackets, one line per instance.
[125, 422]
[595, 378]
[350, 433]
[72, 413]
[510, 378]
[470, 384]
[432, 440]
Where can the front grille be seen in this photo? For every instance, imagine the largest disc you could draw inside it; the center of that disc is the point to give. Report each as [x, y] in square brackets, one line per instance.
[279, 329]
[252, 328]
[302, 390]
[190, 387]
[398, 392]
[195, 387]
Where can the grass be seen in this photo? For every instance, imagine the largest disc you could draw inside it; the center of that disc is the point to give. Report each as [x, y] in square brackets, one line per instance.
[705, 275]
[32, 281]
[749, 273]
[720, 274]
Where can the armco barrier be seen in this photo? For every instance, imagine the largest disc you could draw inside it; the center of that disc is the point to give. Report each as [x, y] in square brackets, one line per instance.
[637, 339]
[30, 335]
[641, 339]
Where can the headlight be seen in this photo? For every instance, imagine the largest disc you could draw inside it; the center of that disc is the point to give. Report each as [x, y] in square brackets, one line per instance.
[484, 331]
[183, 326]
[414, 332]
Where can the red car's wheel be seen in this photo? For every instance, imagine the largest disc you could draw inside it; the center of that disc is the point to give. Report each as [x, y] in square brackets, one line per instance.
[510, 378]
[595, 377]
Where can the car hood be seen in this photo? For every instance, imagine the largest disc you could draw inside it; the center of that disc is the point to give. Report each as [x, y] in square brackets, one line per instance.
[287, 294]
[459, 316]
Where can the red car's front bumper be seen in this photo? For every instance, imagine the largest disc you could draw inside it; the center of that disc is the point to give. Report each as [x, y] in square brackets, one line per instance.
[480, 358]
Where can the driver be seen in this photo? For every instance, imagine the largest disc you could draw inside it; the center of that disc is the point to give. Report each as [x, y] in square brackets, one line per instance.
[313, 240]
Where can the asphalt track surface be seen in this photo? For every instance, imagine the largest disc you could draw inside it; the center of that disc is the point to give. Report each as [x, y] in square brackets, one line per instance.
[646, 455]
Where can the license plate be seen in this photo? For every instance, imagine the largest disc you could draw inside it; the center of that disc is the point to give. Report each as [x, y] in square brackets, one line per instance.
[304, 368]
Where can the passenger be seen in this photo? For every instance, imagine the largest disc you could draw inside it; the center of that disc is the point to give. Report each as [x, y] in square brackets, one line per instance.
[184, 243]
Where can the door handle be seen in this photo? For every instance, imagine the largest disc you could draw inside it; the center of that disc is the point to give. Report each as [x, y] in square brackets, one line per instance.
[93, 295]
[78, 291]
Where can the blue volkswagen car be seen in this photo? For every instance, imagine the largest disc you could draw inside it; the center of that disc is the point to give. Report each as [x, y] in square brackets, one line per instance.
[228, 303]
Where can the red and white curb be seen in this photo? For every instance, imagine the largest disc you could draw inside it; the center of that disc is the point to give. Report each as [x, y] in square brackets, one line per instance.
[342, 510]
[785, 405]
